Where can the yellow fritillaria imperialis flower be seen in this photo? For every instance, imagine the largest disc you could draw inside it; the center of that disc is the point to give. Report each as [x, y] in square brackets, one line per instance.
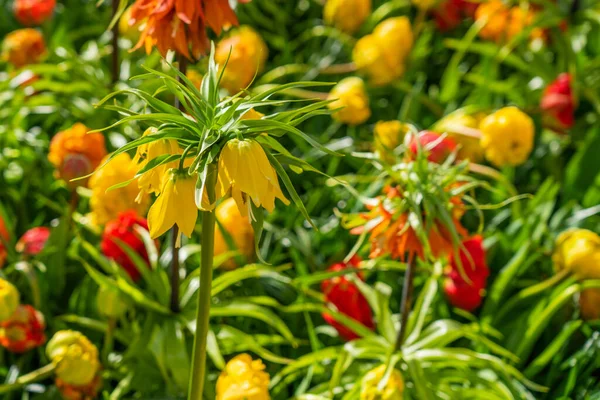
[346, 15]
[238, 227]
[150, 182]
[350, 93]
[9, 299]
[382, 55]
[107, 204]
[245, 170]
[248, 56]
[243, 379]
[75, 357]
[470, 146]
[578, 250]
[507, 136]
[392, 390]
[175, 205]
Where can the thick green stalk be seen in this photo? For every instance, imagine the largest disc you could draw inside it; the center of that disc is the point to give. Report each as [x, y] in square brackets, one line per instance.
[405, 304]
[34, 376]
[207, 242]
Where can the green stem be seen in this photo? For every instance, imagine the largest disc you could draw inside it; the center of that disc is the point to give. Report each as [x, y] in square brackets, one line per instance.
[174, 270]
[109, 340]
[198, 375]
[34, 376]
[405, 305]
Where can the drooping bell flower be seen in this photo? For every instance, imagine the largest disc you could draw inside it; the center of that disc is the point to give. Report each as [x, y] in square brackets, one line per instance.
[33, 12]
[465, 282]
[123, 229]
[23, 331]
[558, 103]
[345, 295]
[180, 25]
[436, 146]
[33, 241]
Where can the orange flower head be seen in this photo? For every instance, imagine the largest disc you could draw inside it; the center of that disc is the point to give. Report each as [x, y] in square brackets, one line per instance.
[23, 47]
[180, 25]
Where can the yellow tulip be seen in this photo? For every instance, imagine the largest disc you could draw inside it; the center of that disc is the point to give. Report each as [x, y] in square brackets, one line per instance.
[239, 229]
[507, 136]
[350, 93]
[75, 357]
[175, 205]
[245, 171]
[382, 55]
[346, 15]
[243, 379]
[9, 299]
[392, 390]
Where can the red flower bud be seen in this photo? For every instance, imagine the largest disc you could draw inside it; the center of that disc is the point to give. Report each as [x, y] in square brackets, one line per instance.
[438, 148]
[123, 229]
[348, 299]
[33, 12]
[462, 293]
[33, 241]
[558, 103]
[23, 331]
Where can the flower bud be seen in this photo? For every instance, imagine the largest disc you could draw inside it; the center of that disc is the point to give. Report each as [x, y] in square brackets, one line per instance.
[346, 15]
[239, 229]
[247, 53]
[23, 47]
[9, 299]
[33, 241]
[381, 56]
[75, 357]
[33, 12]
[507, 136]
[110, 302]
[578, 250]
[243, 379]
[558, 103]
[350, 93]
[393, 389]
[23, 331]
[437, 147]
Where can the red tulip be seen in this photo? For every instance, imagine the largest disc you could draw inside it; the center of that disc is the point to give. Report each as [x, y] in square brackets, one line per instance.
[438, 148]
[123, 229]
[348, 299]
[33, 12]
[33, 241]
[462, 293]
[23, 331]
[558, 102]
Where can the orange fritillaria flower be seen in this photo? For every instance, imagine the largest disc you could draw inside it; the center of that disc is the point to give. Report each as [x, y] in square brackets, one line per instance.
[180, 25]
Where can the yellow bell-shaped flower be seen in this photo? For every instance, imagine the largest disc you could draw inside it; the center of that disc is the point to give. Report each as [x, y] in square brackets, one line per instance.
[245, 170]
[350, 93]
[346, 15]
[175, 205]
[507, 136]
[75, 357]
[238, 227]
[9, 299]
[243, 379]
[382, 55]
[392, 390]
[578, 250]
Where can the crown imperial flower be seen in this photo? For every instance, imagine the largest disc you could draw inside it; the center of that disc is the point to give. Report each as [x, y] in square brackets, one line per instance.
[350, 95]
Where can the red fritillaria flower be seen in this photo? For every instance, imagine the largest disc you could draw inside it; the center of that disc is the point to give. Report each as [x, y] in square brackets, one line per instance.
[120, 232]
[33, 241]
[348, 299]
[438, 148]
[33, 12]
[558, 102]
[460, 292]
[23, 331]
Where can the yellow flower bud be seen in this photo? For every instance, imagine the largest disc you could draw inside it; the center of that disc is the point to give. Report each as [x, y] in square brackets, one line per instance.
[350, 93]
[507, 136]
[578, 250]
[107, 204]
[9, 299]
[248, 56]
[470, 147]
[243, 379]
[392, 390]
[381, 56]
[346, 15]
[75, 357]
[110, 302]
[239, 229]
